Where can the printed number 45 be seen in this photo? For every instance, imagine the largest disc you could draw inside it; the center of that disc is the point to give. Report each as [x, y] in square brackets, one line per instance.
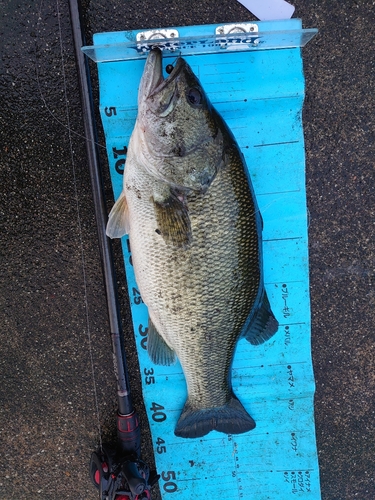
[161, 449]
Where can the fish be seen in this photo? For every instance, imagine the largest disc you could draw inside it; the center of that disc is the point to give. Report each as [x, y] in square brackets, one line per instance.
[195, 233]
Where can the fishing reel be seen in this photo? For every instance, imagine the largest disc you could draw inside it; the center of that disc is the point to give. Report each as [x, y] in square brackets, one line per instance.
[119, 477]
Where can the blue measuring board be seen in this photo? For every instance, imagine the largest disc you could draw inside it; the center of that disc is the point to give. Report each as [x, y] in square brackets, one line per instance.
[260, 95]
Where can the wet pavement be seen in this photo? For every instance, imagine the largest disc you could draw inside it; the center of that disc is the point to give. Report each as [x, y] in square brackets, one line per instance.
[58, 392]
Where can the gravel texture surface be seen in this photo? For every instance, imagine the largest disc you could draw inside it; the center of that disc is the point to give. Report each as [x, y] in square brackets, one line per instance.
[58, 391]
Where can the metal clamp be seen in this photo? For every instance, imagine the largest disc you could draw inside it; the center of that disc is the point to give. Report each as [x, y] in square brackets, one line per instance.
[233, 29]
[228, 29]
[159, 37]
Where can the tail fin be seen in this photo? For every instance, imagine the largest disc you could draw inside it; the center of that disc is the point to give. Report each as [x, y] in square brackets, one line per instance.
[232, 418]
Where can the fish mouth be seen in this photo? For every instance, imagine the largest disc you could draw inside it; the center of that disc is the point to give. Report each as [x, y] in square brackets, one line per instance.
[154, 67]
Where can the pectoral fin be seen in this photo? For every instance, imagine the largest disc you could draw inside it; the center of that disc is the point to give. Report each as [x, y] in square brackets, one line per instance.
[160, 353]
[173, 220]
[263, 325]
[118, 220]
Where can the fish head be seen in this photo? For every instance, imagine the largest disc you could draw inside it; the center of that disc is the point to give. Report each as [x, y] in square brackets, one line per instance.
[181, 134]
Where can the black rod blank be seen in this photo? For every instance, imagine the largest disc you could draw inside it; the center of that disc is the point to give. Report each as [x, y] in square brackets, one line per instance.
[125, 406]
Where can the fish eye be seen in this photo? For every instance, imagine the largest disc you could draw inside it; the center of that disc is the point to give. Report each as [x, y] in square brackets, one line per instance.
[194, 97]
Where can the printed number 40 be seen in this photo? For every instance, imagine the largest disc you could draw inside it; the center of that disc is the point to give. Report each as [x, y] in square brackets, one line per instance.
[158, 415]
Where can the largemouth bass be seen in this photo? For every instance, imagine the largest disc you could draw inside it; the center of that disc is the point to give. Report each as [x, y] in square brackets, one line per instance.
[195, 235]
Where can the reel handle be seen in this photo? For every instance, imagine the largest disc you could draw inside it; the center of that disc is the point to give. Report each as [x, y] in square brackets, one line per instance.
[137, 483]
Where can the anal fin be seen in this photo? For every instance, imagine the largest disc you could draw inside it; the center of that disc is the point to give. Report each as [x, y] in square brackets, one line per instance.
[158, 350]
[263, 324]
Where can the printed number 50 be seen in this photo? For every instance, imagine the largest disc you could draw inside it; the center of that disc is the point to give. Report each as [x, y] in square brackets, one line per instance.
[169, 486]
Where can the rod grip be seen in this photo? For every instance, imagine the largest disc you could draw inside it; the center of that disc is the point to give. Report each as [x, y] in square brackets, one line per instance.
[129, 433]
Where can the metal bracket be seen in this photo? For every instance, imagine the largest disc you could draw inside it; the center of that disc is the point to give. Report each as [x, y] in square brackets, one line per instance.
[227, 35]
[228, 29]
[233, 29]
[159, 36]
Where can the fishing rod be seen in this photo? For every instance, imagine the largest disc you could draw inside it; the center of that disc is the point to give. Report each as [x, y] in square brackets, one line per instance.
[116, 471]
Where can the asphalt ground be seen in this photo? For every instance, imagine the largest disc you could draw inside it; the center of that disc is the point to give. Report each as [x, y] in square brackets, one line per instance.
[57, 391]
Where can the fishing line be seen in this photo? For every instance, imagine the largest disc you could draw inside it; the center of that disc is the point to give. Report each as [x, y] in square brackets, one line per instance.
[39, 37]
[79, 227]
[266, 207]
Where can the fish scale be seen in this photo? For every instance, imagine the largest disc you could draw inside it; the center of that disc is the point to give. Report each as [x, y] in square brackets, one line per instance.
[202, 288]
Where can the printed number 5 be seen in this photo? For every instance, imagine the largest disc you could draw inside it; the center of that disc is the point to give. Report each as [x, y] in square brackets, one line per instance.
[167, 476]
[137, 297]
[110, 111]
